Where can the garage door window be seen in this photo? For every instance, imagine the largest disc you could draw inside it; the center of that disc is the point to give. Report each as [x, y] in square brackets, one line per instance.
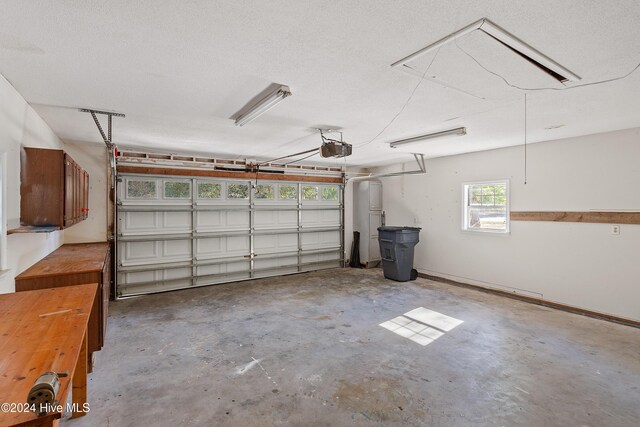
[288, 192]
[177, 190]
[486, 206]
[309, 193]
[237, 191]
[209, 190]
[265, 192]
[139, 189]
[330, 193]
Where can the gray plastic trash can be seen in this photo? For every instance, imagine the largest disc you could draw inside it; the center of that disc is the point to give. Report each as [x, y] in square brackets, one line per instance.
[396, 250]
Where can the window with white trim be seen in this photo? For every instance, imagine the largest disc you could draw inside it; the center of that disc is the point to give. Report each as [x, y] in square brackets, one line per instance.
[486, 206]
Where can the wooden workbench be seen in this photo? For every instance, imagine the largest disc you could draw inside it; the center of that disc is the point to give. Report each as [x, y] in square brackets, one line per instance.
[76, 264]
[43, 330]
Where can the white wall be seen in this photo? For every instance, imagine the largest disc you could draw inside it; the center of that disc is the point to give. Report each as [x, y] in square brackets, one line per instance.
[20, 125]
[91, 157]
[582, 265]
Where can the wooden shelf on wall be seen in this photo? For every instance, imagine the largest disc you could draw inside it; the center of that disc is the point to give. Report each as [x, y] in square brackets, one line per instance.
[602, 217]
[32, 229]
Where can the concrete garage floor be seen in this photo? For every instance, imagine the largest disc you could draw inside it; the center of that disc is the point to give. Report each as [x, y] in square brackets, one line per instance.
[189, 358]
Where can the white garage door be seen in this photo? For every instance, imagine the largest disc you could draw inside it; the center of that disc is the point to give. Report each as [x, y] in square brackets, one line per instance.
[176, 232]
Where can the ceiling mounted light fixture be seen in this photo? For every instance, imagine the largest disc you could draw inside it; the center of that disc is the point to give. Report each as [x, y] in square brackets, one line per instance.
[451, 132]
[534, 56]
[263, 105]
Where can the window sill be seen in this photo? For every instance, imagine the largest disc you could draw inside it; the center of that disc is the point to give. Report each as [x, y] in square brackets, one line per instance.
[488, 233]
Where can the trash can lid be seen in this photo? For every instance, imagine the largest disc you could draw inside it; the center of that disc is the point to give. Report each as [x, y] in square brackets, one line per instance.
[396, 228]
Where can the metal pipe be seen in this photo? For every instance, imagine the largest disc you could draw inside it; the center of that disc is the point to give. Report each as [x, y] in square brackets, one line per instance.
[466, 30]
[422, 170]
[104, 137]
[384, 175]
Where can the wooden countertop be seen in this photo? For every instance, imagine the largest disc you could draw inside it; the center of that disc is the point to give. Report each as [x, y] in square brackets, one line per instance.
[69, 259]
[41, 331]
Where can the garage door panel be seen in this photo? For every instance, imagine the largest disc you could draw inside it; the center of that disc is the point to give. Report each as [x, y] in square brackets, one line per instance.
[176, 221]
[140, 251]
[154, 252]
[175, 273]
[320, 218]
[319, 257]
[276, 266]
[152, 223]
[219, 273]
[222, 268]
[326, 260]
[210, 219]
[176, 250]
[290, 261]
[212, 247]
[225, 278]
[275, 243]
[182, 232]
[139, 277]
[222, 220]
[320, 240]
[135, 222]
[238, 245]
[276, 219]
[160, 275]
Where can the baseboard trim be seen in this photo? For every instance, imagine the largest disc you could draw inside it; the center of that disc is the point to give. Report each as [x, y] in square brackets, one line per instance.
[537, 301]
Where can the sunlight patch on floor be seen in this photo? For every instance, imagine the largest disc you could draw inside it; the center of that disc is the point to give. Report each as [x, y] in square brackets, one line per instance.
[422, 326]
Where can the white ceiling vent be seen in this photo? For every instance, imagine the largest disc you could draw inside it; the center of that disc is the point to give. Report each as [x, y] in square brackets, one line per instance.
[493, 46]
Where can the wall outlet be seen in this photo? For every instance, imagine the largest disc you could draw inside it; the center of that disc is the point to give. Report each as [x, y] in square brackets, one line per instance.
[615, 229]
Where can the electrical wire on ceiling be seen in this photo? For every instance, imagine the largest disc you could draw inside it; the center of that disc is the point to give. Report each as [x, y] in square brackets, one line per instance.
[508, 83]
[404, 105]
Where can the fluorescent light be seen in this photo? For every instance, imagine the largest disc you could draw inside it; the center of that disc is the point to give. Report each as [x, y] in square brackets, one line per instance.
[451, 132]
[263, 105]
[529, 53]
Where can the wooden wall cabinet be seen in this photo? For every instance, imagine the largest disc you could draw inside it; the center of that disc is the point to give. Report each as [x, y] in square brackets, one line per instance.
[76, 264]
[54, 189]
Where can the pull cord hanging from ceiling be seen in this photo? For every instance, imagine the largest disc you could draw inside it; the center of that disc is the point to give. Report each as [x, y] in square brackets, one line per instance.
[525, 138]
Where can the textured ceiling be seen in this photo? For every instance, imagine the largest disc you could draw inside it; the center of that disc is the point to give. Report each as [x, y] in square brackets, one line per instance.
[180, 69]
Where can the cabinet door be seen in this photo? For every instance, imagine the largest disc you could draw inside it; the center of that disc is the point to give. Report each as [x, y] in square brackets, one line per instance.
[69, 190]
[375, 221]
[79, 194]
[375, 196]
[76, 208]
[374, 250]
[86, 195]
